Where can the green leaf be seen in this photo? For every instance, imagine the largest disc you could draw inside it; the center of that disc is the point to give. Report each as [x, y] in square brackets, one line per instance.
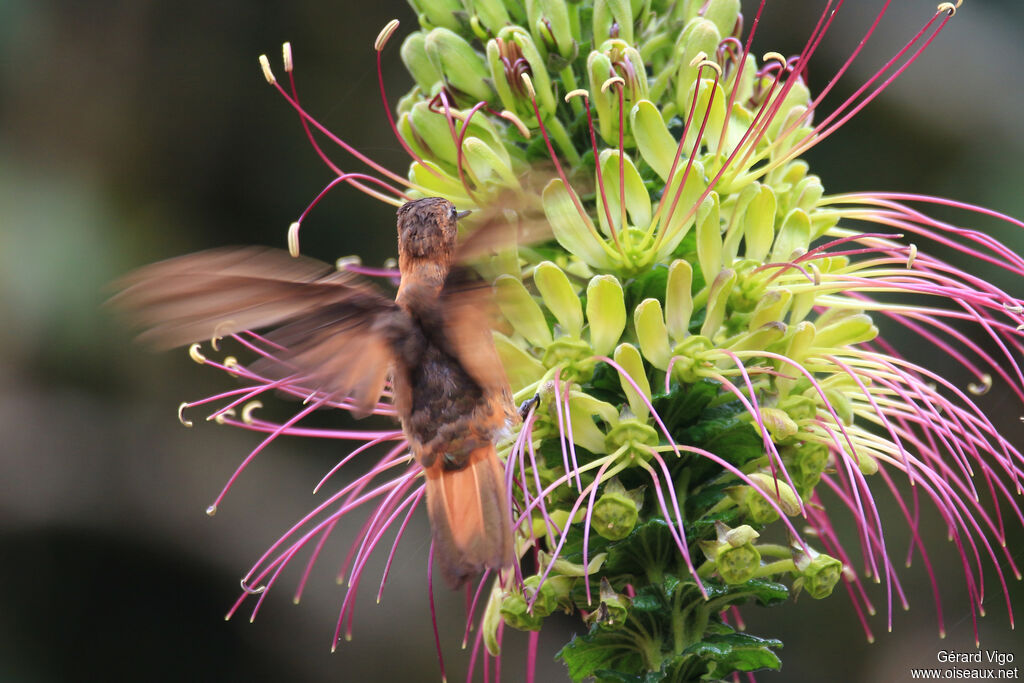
[684, 404]
[648, 550]
[600, 650]
[736, 652]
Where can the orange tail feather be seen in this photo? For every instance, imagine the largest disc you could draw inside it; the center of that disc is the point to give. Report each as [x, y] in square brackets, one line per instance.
[468, 517]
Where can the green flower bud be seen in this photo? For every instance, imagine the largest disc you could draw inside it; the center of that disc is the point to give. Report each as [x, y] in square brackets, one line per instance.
[689, 357]
[638, 201]
[652, 333]
[563, 567]
[819, 573]
[771, 308]
[794, 236]
[779, 491]
[463, 69]
[636, 434]
[629, 358]
[806, 464]
[780, 425]
[510, 54]
[718, 299]
[612, 610]
[485, 166]
[699, 36]
[613, 19]
[709, 235]
[616, 511]
[414, 56]
[604, 100]
[761, 338]
[679, 299]
[515, 605]
[521, 368]
[759, 224]
[724, 14]
[676, 225]
[656, 145]
[438, 13]
[521, 311]
[854, 329]
[733, 553]
[571, 229]
[491, 14]
[606, 313]
[559, 297]
[552, 28]
[582, 409]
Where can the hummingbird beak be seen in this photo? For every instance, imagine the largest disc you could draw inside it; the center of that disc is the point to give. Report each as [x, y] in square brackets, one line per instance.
[462, 214]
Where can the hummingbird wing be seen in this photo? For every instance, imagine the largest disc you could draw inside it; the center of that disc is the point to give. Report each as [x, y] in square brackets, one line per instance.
[335, 331]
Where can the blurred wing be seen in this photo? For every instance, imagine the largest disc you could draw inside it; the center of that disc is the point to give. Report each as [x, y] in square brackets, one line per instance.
[338, 333]
[469, 315]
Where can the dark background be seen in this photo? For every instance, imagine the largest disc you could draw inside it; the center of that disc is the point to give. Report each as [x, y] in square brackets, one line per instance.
[132, 131]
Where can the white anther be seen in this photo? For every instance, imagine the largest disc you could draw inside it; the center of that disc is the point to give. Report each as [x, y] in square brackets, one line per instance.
[911, 255]
[218, 333]
[195, 354]
[211, 511]
[385, 35]
[286, 57]
[293, 239]
[267, 73]
[774, 56]
[983, 388]
[528, 83]
[345, 261]
[517, 122]
[230, 362]
[578, 92]
[221, 416]
[949, 7]
[711, 65]
[181, 416]
[247, 411]
[251, 591]
[613, 81]
[698, 58]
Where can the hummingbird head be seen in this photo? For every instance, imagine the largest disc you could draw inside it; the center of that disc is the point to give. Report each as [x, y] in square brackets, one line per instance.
[427, 229]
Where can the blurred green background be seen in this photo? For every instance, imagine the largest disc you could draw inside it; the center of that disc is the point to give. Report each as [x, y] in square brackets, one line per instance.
[132, 131]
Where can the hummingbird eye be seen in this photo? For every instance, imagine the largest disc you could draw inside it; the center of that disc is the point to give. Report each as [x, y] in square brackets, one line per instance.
[454, 213]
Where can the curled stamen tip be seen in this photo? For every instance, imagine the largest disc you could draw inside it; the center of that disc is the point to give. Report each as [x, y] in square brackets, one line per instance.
[251, 591]
[517, 122]
[293, 239]
[711, 65]
[218, 333]
[391, 263]
[247, 411]
[181, 417]
[267, 73]
[773, 56]
[578, 92]
[195, 354]
[698, 58]
[210, 512]
[286, 56]
[983, 388]
[949, 7]
[221, 417]
[230, 362]
[1014, 307]
[385, 35]
[614, 80]
[911, 255]
[528, 84]
[345, 261]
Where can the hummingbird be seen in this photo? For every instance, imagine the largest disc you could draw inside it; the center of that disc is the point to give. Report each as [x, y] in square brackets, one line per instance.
[346, 338]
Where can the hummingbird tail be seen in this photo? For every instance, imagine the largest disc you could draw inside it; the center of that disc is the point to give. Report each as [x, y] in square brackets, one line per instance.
[469, 517]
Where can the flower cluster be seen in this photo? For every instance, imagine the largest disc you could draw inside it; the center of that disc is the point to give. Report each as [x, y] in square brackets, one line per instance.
[701, 332]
